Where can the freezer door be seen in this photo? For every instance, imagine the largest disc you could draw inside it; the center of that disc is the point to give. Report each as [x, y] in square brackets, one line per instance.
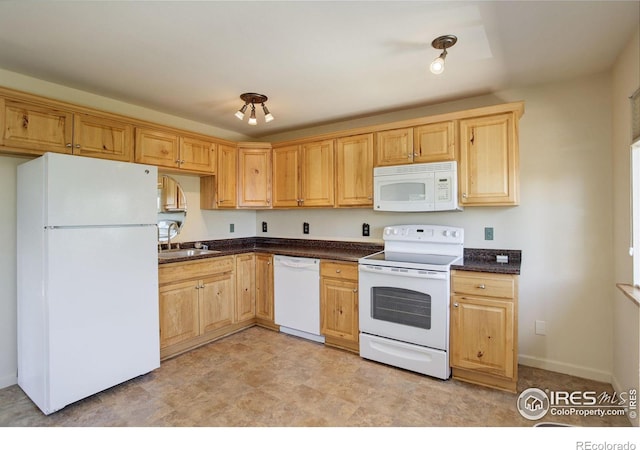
[90, 191]
[102, 298]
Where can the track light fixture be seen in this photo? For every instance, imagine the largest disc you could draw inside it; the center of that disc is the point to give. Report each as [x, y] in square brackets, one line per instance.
[441, 43]
[250, 99]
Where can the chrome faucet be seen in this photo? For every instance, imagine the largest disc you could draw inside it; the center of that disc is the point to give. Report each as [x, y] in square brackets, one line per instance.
[172, 224]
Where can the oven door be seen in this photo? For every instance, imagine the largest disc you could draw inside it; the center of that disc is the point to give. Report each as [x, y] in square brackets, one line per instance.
[410, 305]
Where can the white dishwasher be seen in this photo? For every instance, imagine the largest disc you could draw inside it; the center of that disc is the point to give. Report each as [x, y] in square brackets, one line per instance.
[296, 289]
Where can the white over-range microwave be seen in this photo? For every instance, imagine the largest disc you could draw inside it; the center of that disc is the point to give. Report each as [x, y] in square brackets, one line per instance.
[416, 187]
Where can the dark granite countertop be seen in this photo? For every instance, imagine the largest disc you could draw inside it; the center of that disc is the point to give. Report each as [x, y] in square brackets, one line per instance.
[304, 248]
[484, 260]
[475, 260]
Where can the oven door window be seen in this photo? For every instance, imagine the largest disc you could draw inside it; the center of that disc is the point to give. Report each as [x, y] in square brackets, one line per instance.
[401, 306]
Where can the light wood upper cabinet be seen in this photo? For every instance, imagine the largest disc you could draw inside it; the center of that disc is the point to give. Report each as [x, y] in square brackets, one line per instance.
[254, 176]
[304, 175]
[434, 142]
[317, 179]
[197, 154]
[220, 190]
[159, 148]
[354, 170]
[426, 143]
[36, 128]
[286, 176]
[394, 147]
[167, 149]
[489, 164]
[102, 137]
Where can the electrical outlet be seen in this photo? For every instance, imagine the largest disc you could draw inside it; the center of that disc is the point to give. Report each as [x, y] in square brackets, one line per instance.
[264, 227]
[502, 259]
[305, 228]
[488, 234]
[541, 327]
[232, 227]
[365, 229]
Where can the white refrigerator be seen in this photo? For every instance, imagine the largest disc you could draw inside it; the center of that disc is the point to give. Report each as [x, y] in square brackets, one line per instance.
[87, 273]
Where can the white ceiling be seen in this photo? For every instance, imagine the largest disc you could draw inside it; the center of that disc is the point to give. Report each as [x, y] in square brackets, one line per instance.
[317, 61]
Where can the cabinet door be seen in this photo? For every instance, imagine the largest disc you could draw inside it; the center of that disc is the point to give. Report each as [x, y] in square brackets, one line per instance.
[339, 308]
[482, 335]
[102, 137]
[354, 170]
[488, 161]
[178, 312]
[227, 177]
[264, 287]
[286, 176]
[156, 147]
[197, 155]
[36, 128]
[217, 298]
[394, 147]
[254, 177]
[434, 142]
[245, 287]
[317, 169]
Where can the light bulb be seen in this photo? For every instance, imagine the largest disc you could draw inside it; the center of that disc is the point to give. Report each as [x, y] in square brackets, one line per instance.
[437, 65]
[252, 118]
[240, 113]
[268, 117]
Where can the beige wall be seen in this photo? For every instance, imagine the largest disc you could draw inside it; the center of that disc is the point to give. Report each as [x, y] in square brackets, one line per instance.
[626, 315]
[563, 225]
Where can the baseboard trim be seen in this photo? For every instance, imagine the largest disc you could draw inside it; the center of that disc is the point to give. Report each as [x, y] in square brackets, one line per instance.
[569, 369]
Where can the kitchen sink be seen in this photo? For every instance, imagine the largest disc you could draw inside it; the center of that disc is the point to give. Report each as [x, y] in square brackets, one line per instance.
[185, 253]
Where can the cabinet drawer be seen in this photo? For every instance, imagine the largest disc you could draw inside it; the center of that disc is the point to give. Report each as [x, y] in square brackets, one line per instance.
[340, 270]
[186, 270]
[486, 285]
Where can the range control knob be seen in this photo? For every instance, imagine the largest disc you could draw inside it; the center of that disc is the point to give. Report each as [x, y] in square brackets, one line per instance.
[387, 231]
[395, 231]
[456, 234]
[446, 233]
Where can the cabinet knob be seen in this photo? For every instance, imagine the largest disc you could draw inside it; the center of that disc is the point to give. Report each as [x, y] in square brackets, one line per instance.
[69, 145]
[355, 291]
[480, 354]
[268, 263]
[455, 305]
[77, 145]
[464, 195]
[338, 270]
[481, 286]
[415, 155]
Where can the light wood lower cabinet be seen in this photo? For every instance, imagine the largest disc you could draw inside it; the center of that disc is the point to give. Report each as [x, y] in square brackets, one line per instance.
[339, 304]
[245, 287]
[484, 329]
[197, 303]
[264, 291]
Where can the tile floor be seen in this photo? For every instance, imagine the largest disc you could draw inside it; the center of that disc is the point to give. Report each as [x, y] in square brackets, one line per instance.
[262, 378]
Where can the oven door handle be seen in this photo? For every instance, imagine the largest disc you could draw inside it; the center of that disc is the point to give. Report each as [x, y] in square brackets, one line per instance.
[399, 272]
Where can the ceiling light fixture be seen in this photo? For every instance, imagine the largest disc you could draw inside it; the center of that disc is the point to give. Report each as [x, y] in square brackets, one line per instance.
[251, 98]
[441, 43]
